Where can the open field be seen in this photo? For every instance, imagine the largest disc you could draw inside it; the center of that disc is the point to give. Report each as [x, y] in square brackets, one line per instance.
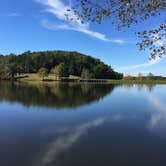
[36, 77]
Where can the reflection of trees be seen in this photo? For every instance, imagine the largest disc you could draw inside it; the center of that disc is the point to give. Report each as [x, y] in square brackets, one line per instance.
[53, 95]
[140, 87]
[150, 87]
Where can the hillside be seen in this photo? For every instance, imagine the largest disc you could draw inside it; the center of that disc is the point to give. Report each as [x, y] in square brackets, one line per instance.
[75, 64]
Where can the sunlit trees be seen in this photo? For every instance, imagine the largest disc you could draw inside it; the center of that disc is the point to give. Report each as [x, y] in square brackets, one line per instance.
[55, 70]
[63, 70]
[60, 70]
[150, 76]
[43, 72]
[128, 77]
[139, 77]
[86, 74]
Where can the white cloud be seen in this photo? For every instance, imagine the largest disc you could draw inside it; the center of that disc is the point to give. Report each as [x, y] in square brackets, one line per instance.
[59, 9]
[52, 26]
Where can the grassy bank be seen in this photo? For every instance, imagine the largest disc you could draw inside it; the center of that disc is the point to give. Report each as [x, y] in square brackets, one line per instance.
[36, 78]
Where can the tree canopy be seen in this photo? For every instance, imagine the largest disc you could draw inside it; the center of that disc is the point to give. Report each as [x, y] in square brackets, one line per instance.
[60, 63]
[124, 13]
[43, 72]
[86, 74]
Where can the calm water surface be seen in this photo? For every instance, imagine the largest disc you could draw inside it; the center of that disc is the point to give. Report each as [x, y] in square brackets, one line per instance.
[82, 125]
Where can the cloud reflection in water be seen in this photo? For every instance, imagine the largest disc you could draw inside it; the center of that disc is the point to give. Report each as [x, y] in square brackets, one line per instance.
[157, 121]
[65, 141]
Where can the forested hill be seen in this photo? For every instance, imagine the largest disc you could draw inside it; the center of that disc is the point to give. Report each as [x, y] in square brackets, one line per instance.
[74, 63]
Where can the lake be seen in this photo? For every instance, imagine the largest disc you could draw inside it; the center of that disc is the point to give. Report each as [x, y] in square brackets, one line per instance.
[53, 124]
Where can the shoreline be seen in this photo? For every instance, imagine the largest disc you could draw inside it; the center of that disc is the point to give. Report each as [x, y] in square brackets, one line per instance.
[86, 81]
[33, 77]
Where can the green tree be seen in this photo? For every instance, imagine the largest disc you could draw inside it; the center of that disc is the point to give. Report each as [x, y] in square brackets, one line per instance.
[19, 69]
[86, 74]
[60, 70]
[12, 71]
[124, 13]
[140, 77]
[56, 71]
[66, 62]
[98, 70]
[3, 72]
[150, 76]
[63, 70]
[128, 77]
[43, 72]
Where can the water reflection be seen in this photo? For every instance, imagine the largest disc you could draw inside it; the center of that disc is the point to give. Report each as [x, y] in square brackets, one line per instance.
[53, 94]
[65, 140]
[126, 127]
[150, 87]
[157, 121]
[58, 95]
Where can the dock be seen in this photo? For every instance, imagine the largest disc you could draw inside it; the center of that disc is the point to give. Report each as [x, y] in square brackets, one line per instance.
[93, 80]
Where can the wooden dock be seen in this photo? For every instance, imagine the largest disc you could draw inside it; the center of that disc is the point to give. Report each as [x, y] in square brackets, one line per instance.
[93, 80]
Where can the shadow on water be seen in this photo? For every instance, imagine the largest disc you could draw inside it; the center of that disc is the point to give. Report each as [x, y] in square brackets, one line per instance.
[59, 95]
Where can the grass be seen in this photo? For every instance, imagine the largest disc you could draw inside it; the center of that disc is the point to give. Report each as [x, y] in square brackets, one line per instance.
[137, 81]
[36, 78]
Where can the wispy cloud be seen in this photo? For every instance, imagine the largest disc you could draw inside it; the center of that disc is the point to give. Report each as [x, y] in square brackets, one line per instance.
[12, 14]
[143, 65]
[52, 26]
[59, 10]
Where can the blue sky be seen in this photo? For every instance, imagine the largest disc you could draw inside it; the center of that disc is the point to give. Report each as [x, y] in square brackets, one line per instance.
[38, 25]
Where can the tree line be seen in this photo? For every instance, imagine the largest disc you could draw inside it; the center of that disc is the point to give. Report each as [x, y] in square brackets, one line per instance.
[36, 94]
[141, 77]
[59, 63]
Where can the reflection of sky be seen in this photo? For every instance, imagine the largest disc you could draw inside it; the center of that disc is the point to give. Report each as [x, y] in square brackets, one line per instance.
[67, 138]
[7, 106]
[125, 106]
[157, 121]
